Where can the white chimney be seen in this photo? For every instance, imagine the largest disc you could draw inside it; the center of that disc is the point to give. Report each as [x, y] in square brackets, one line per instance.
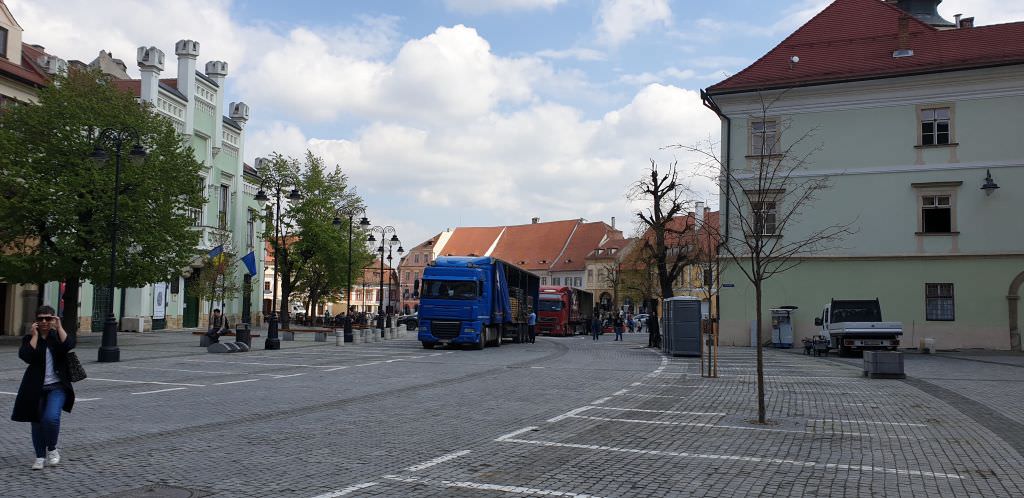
[187, 52]
[151, 63]
[698, 209]
[613, 222]
[239, 111]
[218, 71]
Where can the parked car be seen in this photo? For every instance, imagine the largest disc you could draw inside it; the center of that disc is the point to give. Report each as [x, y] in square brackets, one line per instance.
[411, 322]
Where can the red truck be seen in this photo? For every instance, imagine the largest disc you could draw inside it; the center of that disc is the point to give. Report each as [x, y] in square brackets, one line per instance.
[563, 311]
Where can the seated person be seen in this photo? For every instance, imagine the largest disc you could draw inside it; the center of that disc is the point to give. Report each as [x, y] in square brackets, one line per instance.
[218, 326]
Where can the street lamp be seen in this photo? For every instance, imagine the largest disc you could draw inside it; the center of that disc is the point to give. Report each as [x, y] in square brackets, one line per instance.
[118, 137]
[273, 341]
[364, 222]
[398, 274]
[383, 231]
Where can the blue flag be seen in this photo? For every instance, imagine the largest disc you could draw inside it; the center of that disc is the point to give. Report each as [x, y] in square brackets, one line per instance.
[216, 251]
[250, 262]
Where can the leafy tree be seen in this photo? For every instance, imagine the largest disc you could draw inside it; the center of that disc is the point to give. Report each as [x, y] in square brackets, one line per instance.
[219, 279]
[312, 254]
[56, 204]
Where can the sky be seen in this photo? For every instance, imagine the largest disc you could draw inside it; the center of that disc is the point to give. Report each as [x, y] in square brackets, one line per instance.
[447, 113]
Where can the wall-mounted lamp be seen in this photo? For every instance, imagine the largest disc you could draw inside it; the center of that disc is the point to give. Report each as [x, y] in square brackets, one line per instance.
[989, 186]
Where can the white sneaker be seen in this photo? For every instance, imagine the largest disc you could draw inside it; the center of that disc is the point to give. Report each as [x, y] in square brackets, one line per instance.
[52, 458]
[39, 464]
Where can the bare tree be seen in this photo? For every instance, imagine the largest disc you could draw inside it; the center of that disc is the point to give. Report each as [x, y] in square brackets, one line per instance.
[663, 237]
[762, 235]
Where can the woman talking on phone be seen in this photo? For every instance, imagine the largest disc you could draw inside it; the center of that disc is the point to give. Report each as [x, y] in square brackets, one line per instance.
[45, 388]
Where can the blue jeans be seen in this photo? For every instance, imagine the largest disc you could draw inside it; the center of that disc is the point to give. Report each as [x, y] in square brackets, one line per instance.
[45, 432]
[618, 334]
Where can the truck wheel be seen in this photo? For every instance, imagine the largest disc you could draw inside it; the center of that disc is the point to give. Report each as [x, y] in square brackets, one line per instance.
[483, 342]
[429, 345]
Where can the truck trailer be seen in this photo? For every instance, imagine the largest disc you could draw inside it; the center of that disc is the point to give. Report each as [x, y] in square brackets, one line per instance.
[564, 311]
[476, 301]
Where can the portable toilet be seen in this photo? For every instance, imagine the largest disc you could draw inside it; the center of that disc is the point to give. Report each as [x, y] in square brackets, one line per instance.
[681, 329]
[782, 326]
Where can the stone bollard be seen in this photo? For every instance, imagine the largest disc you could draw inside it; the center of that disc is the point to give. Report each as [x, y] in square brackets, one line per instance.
[339, 337]
[376, 335]
[359, 336]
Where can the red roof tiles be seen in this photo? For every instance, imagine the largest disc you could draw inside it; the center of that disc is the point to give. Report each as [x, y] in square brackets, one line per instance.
[27, 71]
[855, 39]
[471, 241]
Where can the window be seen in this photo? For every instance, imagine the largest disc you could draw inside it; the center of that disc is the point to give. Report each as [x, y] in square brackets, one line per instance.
[578, 281]
[590, 276]
[266, 286]
[250, 227]
[708, 279]
[764, 137]
[222, 211]
[543, 280]
[197, 214]
[936, 214]
[416, 258]
[938, 302]
[935, 126]
[407, 276]
[556, 281]
[3, 43]
[764, 217]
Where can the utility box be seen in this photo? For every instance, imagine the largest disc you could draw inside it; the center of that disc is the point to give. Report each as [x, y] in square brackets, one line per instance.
[883, 365]
[681, 326]
[782, 326]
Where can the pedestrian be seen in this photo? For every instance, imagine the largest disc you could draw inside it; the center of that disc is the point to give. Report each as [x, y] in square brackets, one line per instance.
[45, 389]
[218, 326]
[618, 327]
[630, 323]
[531, 320]
[654, 337]
[595, 326]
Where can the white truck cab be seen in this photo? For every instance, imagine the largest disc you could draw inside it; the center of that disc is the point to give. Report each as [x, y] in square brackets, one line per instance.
[856, 325]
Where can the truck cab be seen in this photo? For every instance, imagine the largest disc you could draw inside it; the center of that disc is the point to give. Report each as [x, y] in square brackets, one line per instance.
[856, 325]
[553, 310]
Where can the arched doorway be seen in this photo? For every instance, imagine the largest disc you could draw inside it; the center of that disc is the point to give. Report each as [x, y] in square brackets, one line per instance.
[1012, 299]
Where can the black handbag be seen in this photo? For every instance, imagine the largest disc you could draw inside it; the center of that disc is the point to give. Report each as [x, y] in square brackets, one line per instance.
[74, 368]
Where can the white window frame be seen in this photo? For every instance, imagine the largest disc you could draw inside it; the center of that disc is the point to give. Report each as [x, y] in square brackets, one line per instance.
[759, 130]
[928, 114]
[224, 206]
[923, 191]
[5, 40]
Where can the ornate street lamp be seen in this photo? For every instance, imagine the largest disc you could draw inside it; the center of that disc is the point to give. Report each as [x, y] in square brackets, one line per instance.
[364, 222]
[372, 241]
[118, 138]
[273, 341]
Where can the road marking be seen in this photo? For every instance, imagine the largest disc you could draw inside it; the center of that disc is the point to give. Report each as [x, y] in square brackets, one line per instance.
[570, 413]
[440, 459]
[657, 396]
[709, 456]
[335, 368]
[162, 390]
[277, 376]
[262, 364]
[183, 370]
[77, 399]
[670, 385]
[710, 414]
[147, 382]
[538, 367]
[620, 392]
[516, 433]
[5, 392]
[736, 427]
[345, 491]
[235, 382]
[520, 490]
[867, 422]
[600, 401]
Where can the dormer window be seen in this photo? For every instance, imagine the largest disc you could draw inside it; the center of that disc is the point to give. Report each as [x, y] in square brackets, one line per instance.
[3, 43]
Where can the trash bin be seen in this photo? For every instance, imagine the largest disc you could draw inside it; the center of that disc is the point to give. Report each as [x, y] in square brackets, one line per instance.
[243, 334]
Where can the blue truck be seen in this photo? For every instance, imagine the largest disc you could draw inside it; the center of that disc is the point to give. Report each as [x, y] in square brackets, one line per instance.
[477, 301]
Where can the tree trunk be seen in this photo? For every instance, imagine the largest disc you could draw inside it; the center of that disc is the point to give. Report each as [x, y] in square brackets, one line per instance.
[286, 291]
[760, 358]
[72, 290]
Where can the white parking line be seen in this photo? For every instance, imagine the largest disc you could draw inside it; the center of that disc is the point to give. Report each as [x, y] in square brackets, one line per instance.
[709, 414]
[516, 433]
[435, 461]
[182, 370]
[147, 382]
[162, 390]
[345, 491]
[708, 456]
[5, 392]
[519, 490]
[263, 364]
[600, 401]
[570, 413]
[235, 382]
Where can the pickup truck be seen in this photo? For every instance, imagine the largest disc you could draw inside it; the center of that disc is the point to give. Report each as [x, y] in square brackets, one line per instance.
[856, 325]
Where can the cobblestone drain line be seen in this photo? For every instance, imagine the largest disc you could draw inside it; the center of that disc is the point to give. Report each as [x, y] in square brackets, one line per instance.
[213, 427]
[1009, 430]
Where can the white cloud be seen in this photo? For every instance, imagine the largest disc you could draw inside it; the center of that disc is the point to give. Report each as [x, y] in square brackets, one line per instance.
[647, 78]
[984, 12]
[582, 54]
[484, 6]
[619, 20]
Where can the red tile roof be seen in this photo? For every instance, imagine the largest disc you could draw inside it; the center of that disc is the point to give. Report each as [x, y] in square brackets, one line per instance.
[535, 246]
[27, 71]
[855, 39]
[470, 241]
[585, 239]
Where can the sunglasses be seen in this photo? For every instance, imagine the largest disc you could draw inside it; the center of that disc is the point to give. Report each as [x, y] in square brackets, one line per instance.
[45, 318]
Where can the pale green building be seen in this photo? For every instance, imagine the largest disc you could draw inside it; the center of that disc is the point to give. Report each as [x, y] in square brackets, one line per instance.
[913, 120]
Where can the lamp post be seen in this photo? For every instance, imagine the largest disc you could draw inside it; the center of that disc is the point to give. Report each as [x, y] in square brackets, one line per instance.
[118, 137]
[364, 222]
[273, 341]
[398, 275]
[383, 231]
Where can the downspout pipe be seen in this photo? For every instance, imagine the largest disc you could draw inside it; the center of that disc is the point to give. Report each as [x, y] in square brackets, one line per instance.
[710, 103]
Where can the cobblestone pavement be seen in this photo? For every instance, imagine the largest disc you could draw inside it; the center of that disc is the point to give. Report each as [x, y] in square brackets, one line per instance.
[562, 417]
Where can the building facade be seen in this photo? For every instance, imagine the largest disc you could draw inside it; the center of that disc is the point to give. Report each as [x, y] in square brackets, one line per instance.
[194, 102]
[914, 122]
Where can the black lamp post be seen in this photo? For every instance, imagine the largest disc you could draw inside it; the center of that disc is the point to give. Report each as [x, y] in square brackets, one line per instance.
[364, 222]
[118, 137]
[383, 231]
[398, 275]
[273, 341]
